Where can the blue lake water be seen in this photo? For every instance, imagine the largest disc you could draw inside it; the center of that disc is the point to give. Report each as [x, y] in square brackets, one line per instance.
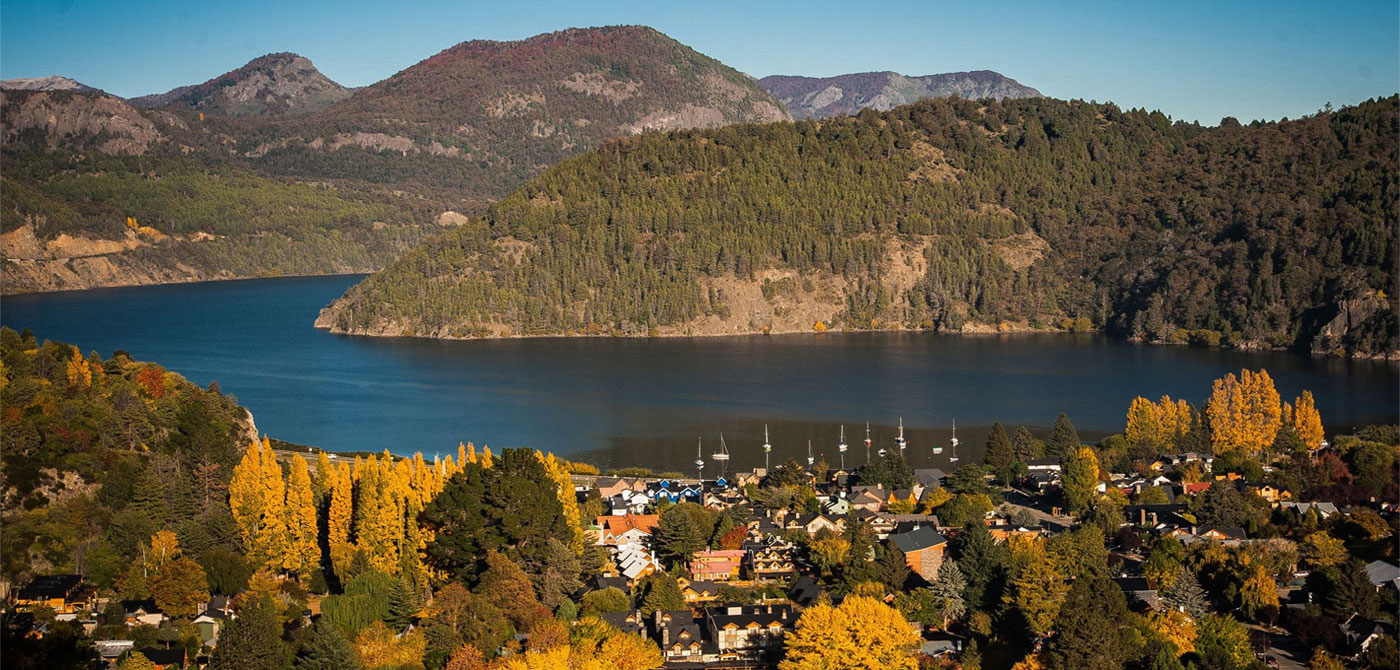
[645, 401]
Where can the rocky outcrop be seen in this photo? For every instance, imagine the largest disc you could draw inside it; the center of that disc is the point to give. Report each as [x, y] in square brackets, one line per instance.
[819, 97]
[280, 83]
[76, 120]
[49, 83]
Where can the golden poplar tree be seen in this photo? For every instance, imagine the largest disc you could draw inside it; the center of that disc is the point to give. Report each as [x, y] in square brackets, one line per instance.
[864, 633]
[1305, 419]
[1245, 412]
[257, 498]
[1143, 423]
[79, 372]
[339, 517]
[321, 482]
[303, 553]
[486, 460]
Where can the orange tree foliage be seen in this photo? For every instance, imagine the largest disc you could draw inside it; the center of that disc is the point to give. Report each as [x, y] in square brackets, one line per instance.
[1303, 416]
[1161, 424]
[1245, 412]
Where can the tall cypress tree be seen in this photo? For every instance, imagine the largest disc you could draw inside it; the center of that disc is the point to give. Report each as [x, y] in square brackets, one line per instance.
[999, 454]
[328, 650]
[1092, 627]
[1023, 445]
[983, 564]
[253, 641]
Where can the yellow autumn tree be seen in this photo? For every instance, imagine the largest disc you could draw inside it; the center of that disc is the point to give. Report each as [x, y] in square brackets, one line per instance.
[1176, 627]
[79, 372]
[1161, 424]
[864, 633]
[339, 519]
[567, 499]
[378, 516]
[377, 647]
[486, 460]
[303, 554]
[1245, 412]
[1303, 416]
[164, 547]
[321, 481]
[257, 498]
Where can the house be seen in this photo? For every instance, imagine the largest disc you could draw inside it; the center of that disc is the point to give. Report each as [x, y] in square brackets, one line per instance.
[165, 658]
[940, 643]
[1156, 515]
[611, 486]
[1221, 534]
[870, 498]
[770, 560]
[628, 528]
[748, 632]
[805, 591]
[1323, 509]
[1361, 632]
[215, 615]
[632, 622]
[1194, 488]
[699, 591]
[923, 549]
[839, 506]
[678, 635]
[634, 561]
[815, 522]
[1043, 465]
[111, 650]
[1268, 491]
[1140, 592]
[1383, 574]
[929, 477]
[143, 612]
[62, 593]
[716, 564]
[628, 502]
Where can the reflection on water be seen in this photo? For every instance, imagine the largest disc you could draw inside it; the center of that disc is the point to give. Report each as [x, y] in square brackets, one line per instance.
[644, 402]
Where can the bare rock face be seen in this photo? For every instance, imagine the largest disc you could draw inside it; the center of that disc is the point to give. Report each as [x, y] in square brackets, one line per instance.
[76, 119]
[280, 83]
[49, 83]
[820, 97]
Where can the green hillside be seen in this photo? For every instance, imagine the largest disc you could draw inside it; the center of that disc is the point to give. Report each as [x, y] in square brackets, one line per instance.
[947, 214]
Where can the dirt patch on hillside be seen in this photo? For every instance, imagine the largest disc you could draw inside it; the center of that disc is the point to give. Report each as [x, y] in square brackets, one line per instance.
[933, 166]
[1021, 251]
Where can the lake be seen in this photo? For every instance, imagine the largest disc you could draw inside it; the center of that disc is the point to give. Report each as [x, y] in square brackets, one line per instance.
[619, 402]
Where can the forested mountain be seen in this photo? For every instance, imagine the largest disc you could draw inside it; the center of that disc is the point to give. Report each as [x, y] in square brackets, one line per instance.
[225, 180]
[948, 214]
[482, 117]
[820, 97]
[280, 83]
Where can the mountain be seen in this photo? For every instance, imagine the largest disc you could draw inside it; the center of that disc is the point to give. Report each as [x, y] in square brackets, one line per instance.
[948, 214]
[482, 117]
[280, 83]
[820, 97]
[49, 83]
[245, 176]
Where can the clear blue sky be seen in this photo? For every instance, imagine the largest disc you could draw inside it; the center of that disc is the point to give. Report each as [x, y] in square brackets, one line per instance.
[1192, 60]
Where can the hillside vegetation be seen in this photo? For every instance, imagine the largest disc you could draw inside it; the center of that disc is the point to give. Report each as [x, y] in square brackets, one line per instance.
[947, 214]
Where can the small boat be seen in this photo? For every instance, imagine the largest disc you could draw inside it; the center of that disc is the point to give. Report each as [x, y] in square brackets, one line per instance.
[722, 455]
[841, 447]
[699, 459]
[899, 441]
[867, 442]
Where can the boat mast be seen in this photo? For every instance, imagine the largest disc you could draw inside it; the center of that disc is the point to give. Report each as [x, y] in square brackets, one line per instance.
[722, 455]
[841, 447]
[810, 460]
[699, 461]
[767, 448]
[954, 457]
[899, 441]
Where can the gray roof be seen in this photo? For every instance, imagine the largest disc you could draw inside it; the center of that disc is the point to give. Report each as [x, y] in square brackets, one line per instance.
[918, 539]
[1382, 573]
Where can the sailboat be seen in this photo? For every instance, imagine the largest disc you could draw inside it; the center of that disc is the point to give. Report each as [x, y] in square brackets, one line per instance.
[722, 455]
[867, 442]
[810, 460]
[899, 441]
[699, 460]
[954, 457]
[841, 447]
[767, 447]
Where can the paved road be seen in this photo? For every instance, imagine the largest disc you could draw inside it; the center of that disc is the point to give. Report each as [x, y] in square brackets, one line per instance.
[1285, 648]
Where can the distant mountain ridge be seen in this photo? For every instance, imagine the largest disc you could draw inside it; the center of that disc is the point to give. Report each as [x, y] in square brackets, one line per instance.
[820, 97]
[279, 83]
[49, 83]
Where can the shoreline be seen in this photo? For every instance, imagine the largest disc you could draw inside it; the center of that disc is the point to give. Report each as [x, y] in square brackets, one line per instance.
[180, 282]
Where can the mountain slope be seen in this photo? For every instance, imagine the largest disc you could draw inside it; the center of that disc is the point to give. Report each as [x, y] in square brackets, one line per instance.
[947, 214]
[49, 83]
[280, 83]
[482, 117]
[820, 97]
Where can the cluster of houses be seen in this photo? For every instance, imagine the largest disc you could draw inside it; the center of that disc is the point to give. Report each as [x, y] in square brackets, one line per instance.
[713, 633]
[70, 598]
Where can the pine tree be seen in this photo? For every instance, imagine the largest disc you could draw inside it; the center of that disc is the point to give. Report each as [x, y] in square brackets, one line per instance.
[1063, 438]
[983, 564]
[1092, 630]
[253, 641]
[662, 593]
[1023, 445]
[328, 650]
[948, 591]
[568, 501]
[1186, 595]
[999, 454]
